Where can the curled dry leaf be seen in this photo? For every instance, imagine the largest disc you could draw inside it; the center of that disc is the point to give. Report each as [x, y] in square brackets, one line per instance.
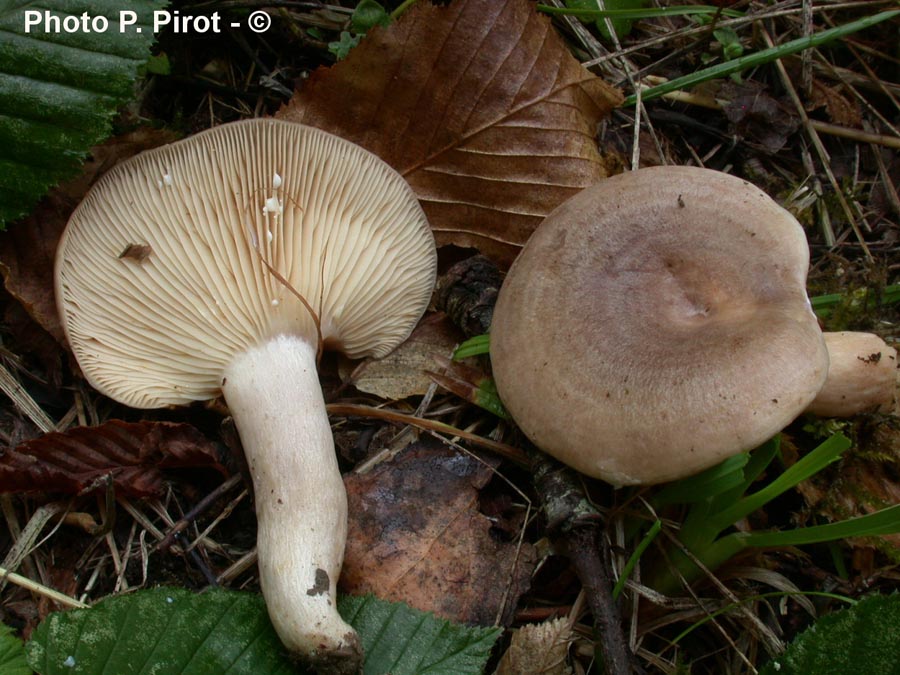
[416, 535]
[131, 453]
[538, 649]
[479, 105]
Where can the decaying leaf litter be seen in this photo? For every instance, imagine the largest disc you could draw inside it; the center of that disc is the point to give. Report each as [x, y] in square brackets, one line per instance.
[814, 130]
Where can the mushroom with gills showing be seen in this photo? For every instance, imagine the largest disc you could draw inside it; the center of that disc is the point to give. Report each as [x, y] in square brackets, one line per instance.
[221, 264]
[657, 323]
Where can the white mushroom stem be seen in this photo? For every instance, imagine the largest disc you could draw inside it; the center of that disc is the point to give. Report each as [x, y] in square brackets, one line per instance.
[274, 396]
[862, 376]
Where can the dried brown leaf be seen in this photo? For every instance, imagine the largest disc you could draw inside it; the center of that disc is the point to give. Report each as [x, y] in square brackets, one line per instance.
[416, 535]
[759, 118]
[402, 373]
[482, 109]
[132, 454]
[538, 649]
[839, 108]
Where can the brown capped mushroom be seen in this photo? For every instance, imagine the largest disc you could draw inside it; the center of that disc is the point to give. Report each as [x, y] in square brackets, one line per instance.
[862, 376]
[259, 241]
[657, 323]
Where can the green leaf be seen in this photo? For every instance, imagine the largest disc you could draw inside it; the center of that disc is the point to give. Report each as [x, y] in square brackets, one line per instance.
[342, 47]
[159, 65]
[730, 41]
[12, 653]
[474, 346]
[59, 89]
[622, 26]
[399, 640]
[809, 465]
[720, 478]
[171, 631]
[367, 15]
[864, 638]
[881, 523]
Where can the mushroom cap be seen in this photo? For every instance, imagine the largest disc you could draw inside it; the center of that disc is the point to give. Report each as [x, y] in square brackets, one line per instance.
[160, 279]
[862, 376]
[657, 323]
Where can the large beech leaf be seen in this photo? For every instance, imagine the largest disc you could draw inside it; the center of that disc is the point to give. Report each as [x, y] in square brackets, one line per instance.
[60, 90]
[864, 638]
[130, 453]
[169, 631]
[479, 105]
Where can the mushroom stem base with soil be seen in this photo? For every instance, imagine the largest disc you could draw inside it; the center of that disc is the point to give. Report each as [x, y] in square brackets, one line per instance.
[273, 393]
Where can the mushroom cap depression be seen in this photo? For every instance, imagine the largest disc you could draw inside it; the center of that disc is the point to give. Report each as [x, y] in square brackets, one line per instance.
[657, 323]
[160, 278]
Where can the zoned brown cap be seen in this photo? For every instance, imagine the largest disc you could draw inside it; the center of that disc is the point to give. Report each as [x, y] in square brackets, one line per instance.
[657, 323]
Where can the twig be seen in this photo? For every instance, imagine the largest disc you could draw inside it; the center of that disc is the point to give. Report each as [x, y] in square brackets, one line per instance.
[40, 589]
[502, 449]
[705, 101]
[584, 542]
[238, 567]
[569, 512]
[24, 402]
[820, 148]
[201, 506]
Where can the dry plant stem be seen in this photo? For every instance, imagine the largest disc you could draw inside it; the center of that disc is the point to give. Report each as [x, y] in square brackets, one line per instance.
[40, 589]
[820, 150]
[273, 393]
[201, 506]
[502, 449]
[570, 512]
[584, 542]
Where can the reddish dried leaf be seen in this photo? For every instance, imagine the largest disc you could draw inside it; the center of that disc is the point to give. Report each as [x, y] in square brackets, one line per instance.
[131, 453]
[28, 248]
[416, 535]
[482, 109]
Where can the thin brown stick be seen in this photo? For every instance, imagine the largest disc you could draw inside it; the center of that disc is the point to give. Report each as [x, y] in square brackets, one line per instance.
[183, 522]
[584, 542]
[502, 449]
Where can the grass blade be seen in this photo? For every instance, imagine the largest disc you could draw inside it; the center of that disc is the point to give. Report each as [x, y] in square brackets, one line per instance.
[762, 57]
[815, 461]
[474, 346]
